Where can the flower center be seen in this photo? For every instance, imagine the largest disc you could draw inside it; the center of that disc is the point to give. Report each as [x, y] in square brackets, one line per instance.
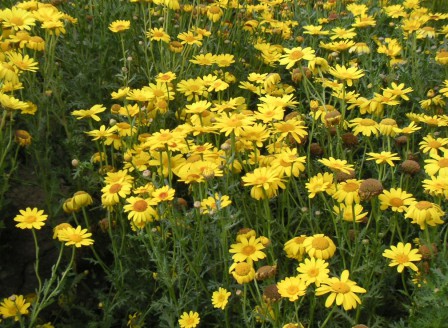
[320, 243]
[313, 272]
[76, 238]
[292, 290]
[248, 250]
[423, 205]
[296, 55]
[163, 195]
[350, 187]
[17, 21]
[31, 219]
[402, 258]
[396, 202]
[340, 287]
[140, 206]
[242, 269]
[286, 127]
[367, 122]
[115, 188]
[434, 144]
[299, 240]
[443, 162]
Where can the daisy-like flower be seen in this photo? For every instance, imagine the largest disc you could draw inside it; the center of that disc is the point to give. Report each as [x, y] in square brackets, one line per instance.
[437, 164]
[339, 165]
[220, 298]
[119, 26]
[140, 209]
[265, 182]
[22, 62]
[89, 113]
[397, 200]
[365, 126]
[212, 204]
[294, 128]
[207, 59]
[436, 186]
[31, 219]
[189, 319]
[398, 91]
[411, 128]
[342, 290]
[313, 271]
[320, 183]
[384, 157]
[294, 247]
[425, 214]
[402, 256]
[319, 246]
[294, 55]
[347, 192]
[346, 74]
[292, 288]
[243, 272]
[190, 38]
[17, 19]
[163, 194]
[248, 249]
[158, 34]
[113, 192]
[233, 123]
[14, 306]
[75, 236]
[351, 213]
[288, 162]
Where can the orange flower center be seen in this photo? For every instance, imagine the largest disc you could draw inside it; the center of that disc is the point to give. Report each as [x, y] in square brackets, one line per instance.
[140, 206]
[30, 219]
[214, 10]
[320, 243]
[367, 122]
[299, 240]
[423, 205]
[248, 250]
[313, 272]
[340, 287]
[115, 188]
[292, 290]
[350, 187]
[158, 93]
[443, 162]
[296, 55]
[163, 195]
[402, 258]
[434, 144]
[242, 269]
[17, 21]
[76, 238]
[286, 127]
[396, 202]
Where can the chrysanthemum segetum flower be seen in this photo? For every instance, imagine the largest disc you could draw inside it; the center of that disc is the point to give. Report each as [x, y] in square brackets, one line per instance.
[313, 271]
[346, 74]
[320, 183]
[437, 164]
[342, 291]
[425, 214]
[211, 204]
[347, 192]
[31, 219]
[402, 256]
[397, 200]
[247, 249]
[243, 272]
[292, 288]
[294, 247]
[337, 164]
[294, 55]
[265, 182]
[14, 306]
[383, 157]
[119, 26]
[351, 212]
[432, 145]
[89, 113]
[140, 209]
[319, 246]
[189, 319]
[75, 236]
[220, 298]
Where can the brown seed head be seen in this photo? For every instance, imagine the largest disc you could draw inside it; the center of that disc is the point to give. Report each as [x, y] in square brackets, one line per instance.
[410, 166]
[266, 272]
[370, 188]
[349, 139]
[271, 294]
[316, 149]
[401, 140]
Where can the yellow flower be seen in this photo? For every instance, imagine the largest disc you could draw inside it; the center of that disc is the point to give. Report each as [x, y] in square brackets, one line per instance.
[294, 247]
[220, 298]
[397, 199]
[75, 236]
[31, 219]
[346, 74]
[265, 182]
[247, 250]
[163, 194]
[319, 246]
[351, 213]
[291, 288]
[432, 145]
[339, 165]
[14, 306]
[89, 113]
[313, 271]
[211, 204]
[365, 126]
[189, 319]
[425, 214]
[243, 272]
[342, 291]
[294, 55]
[22, 137]
[17, 19]
[437, 164]
[383, 157]
[119, 26]
[402, 256]
[347, 192]
[158, 34]
[320, 183]
[140, 209]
